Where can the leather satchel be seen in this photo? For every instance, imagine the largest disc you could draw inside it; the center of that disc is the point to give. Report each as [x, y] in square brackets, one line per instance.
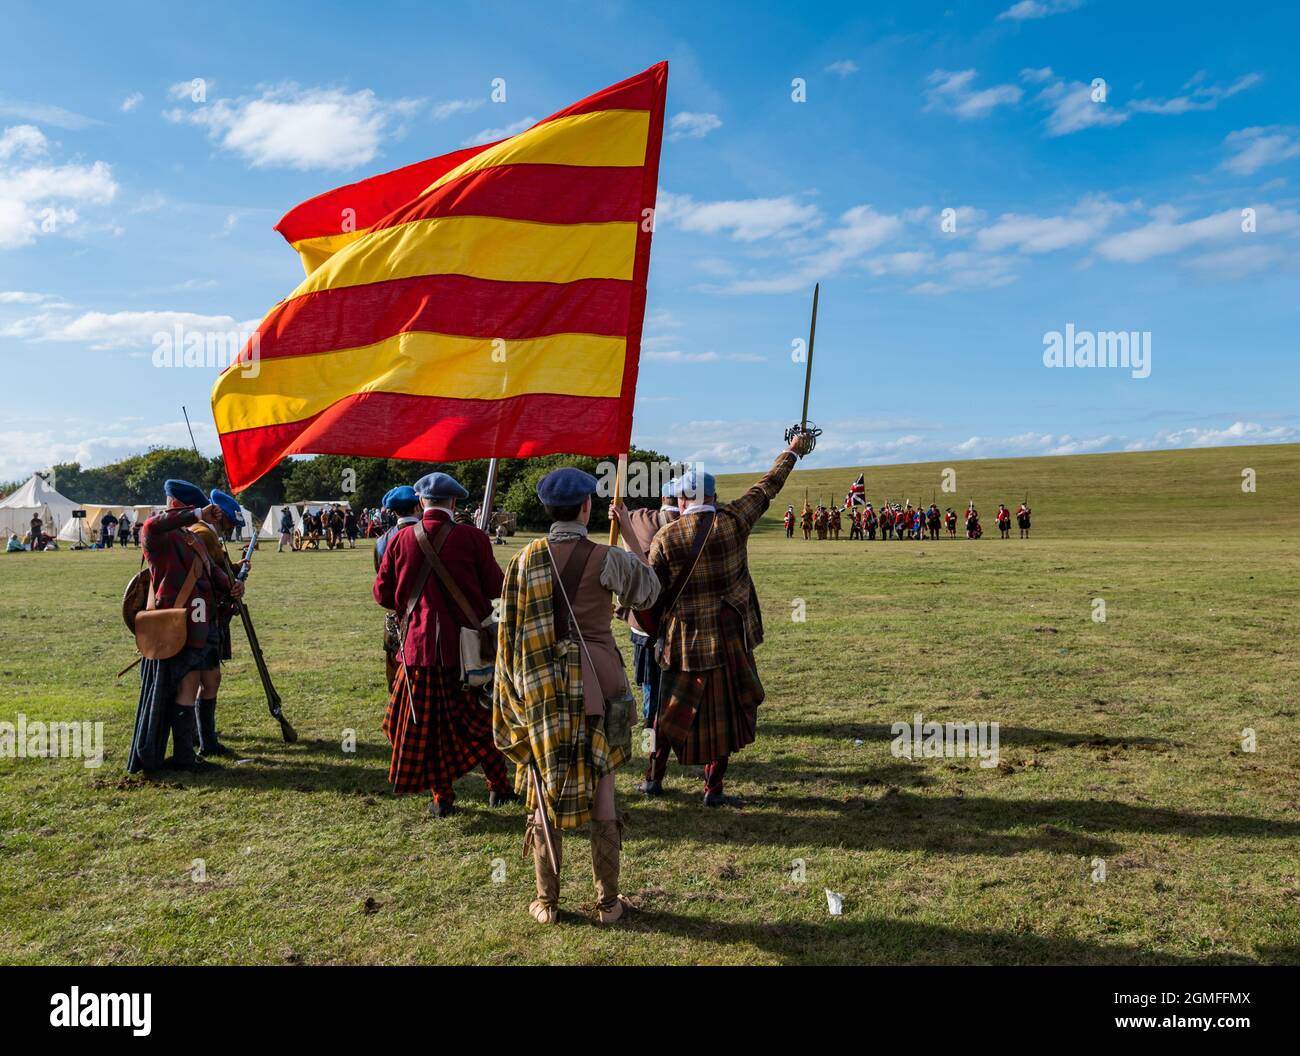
[478, 640]
[162, 633]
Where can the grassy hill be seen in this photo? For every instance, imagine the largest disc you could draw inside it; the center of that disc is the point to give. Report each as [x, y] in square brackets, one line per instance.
[1073, 495]
[1126, 822]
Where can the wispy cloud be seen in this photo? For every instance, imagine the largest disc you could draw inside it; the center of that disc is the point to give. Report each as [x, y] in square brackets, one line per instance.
[131, 102]
[1027, 10]
[1201, 97]
[1254, 148]
[452, 107]
[844, 67]
[491, 135]
[687, 125]
[955, 92]
[45, 114]
[745, 220]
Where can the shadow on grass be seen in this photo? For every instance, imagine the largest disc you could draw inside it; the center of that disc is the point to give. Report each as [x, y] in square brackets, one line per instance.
[1008, 736]
[885, 940]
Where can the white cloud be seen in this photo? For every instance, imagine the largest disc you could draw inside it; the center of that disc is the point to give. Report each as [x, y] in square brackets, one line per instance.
[132, 101]
[1236, 433]
[1166, 234]
[22, 141]
[25, 297]
[1028, 444]
[1240, 261]
[1073, 108]
[1044, 234]
[300, 128]
[679, 356]
[112, 330]
[843, 67]
[97, 442]
[45, 114]
[1202, 96]
[746, 220]
[1253, 148]
[491, 135]
[1031, 9]
[954, 91]
[41, 198]
[452, 107]
[687, 125]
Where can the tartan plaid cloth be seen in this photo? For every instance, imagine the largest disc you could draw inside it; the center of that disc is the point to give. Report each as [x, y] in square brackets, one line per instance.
[707, 715]
[692, 641]
[537, 706]
[454, 734]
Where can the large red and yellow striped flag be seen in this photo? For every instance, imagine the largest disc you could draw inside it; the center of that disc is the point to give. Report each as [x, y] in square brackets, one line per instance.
[485, 303]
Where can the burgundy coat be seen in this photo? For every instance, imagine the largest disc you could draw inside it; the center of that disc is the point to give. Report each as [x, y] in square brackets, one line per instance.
[169, 552]
[433, 636]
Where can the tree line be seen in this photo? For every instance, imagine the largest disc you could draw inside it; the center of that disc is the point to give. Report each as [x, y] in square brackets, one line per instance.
[138, 480]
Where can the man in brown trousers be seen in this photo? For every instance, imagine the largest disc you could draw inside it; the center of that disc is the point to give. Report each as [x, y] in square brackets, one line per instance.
[709, 690]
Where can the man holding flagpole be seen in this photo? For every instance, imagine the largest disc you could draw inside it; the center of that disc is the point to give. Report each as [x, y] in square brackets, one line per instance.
[709, 690]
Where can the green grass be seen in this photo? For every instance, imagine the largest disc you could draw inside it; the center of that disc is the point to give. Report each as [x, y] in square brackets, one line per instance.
[1121, 741]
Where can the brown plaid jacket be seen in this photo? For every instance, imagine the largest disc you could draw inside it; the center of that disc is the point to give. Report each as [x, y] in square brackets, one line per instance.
[692, 640]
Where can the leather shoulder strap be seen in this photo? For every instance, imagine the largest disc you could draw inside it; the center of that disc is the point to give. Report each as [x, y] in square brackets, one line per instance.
[421, 577]
[449, 584]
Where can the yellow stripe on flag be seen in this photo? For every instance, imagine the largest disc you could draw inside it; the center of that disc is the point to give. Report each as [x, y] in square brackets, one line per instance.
[482, 247]
[318, 249]
[603, 137]
[417, 363]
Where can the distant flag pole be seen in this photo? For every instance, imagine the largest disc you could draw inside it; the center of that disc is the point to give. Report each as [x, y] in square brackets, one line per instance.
[190, 428]
[486, 303]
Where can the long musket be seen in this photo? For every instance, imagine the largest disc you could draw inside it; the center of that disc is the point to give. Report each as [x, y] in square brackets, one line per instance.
[273, 702]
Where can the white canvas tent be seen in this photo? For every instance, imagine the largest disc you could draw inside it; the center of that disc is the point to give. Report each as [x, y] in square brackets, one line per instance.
[271, 526]
[36, 497]
[95, 511]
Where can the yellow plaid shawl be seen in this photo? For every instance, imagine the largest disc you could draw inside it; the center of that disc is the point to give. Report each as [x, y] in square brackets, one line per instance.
[537, 707]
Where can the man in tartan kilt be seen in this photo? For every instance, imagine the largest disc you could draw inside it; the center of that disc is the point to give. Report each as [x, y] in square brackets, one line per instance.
[709, 690]
[561, 698]
[439, 729]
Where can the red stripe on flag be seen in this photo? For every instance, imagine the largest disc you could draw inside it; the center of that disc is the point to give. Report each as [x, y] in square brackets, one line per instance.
[353, 316]
[369, 200]
[547, 194]
[429, 428]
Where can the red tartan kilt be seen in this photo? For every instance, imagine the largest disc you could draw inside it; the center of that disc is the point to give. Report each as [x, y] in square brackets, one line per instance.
[452, 736]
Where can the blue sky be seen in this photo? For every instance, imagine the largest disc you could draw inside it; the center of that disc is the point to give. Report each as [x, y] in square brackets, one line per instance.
[127, 206]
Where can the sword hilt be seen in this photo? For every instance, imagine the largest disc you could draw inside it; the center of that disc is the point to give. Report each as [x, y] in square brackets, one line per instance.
[809, 430]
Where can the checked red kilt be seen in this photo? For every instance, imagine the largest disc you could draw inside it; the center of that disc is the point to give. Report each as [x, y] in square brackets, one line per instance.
[453, 735]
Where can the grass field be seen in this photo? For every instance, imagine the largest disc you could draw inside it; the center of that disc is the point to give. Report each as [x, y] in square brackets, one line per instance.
[1121, 743]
